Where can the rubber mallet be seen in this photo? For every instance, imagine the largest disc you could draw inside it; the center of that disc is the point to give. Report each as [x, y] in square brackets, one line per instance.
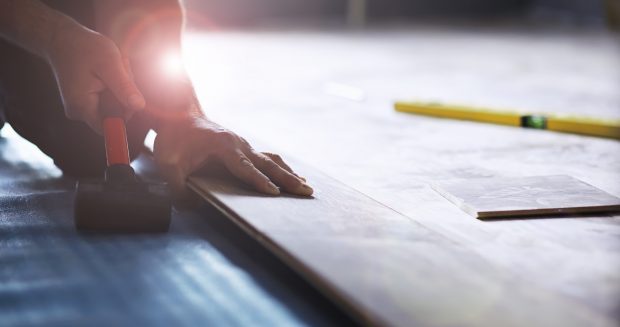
[121, 203]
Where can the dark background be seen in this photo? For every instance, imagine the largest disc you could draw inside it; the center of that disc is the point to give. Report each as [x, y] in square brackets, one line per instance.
[250, 12]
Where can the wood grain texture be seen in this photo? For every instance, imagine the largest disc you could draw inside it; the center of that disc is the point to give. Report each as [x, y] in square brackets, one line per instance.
[197, 274]
[527, 196]
[383, 267]
[278, 95]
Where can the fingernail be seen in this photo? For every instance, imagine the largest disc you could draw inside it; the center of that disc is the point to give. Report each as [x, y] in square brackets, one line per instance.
[273, 189]
[136, 101]
[305, 189]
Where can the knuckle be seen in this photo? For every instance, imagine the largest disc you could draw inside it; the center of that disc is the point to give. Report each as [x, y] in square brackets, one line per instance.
[246, 164]
[273, 156]
[226, 139]
[107, 47]
[233, 157]
[245, 142]
[73, 110]
[71, 113]
[103, 65]
[170, 161]
[124, 84]
[269, 164]
[128, 113]
[106, 62]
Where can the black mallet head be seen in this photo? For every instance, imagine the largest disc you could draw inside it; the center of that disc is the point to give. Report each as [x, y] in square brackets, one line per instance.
[122, 204]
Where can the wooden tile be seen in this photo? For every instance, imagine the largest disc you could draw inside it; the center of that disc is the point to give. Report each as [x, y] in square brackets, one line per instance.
[526, 196]
[381, 266]
[394, 157]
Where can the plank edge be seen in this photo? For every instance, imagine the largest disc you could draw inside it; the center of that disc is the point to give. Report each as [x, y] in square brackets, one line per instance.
[331, 292]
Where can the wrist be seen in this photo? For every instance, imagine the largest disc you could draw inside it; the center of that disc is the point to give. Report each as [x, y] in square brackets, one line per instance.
[64, 30]
[170, 102]
[31, 25]
[187, 117]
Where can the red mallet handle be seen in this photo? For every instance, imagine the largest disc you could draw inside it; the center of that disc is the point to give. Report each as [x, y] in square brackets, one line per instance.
[117, 151]
[114, 132]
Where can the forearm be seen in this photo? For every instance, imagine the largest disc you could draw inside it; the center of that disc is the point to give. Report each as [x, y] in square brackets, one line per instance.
[32, 25]
[141, 28]
[148, 32]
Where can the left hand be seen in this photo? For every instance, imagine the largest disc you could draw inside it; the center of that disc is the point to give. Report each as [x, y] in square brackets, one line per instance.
[182, 147]
[85, 63]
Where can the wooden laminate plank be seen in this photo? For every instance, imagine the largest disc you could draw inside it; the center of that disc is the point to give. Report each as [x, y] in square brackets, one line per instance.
[382, 266]
[488, 198]
[197, 274]
[351, 131]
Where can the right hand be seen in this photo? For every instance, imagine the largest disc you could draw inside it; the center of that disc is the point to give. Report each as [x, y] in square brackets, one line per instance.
[187, 144]
[85, 63]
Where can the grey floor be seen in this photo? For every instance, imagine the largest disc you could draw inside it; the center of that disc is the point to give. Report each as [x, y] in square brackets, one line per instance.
[325, 97]
[203, 272]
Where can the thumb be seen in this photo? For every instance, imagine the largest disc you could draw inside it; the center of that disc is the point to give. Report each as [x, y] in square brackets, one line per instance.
[117, 78]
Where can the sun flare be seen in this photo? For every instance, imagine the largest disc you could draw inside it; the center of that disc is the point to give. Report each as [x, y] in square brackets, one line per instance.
[172, 65]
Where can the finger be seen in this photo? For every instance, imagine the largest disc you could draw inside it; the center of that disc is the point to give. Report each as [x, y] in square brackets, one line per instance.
[241, 167]
[175, 174]
[91, 115]
[84, 108]
[127, 66]
[182, 197]
[277, 159]
[118, 79]
[279, 175]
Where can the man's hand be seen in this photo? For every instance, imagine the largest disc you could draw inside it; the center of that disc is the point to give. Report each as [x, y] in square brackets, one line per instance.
[86, 63]
[183, 147]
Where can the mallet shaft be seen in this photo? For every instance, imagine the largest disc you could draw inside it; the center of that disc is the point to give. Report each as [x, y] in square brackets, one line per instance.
[115, 134]
[114, 131]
